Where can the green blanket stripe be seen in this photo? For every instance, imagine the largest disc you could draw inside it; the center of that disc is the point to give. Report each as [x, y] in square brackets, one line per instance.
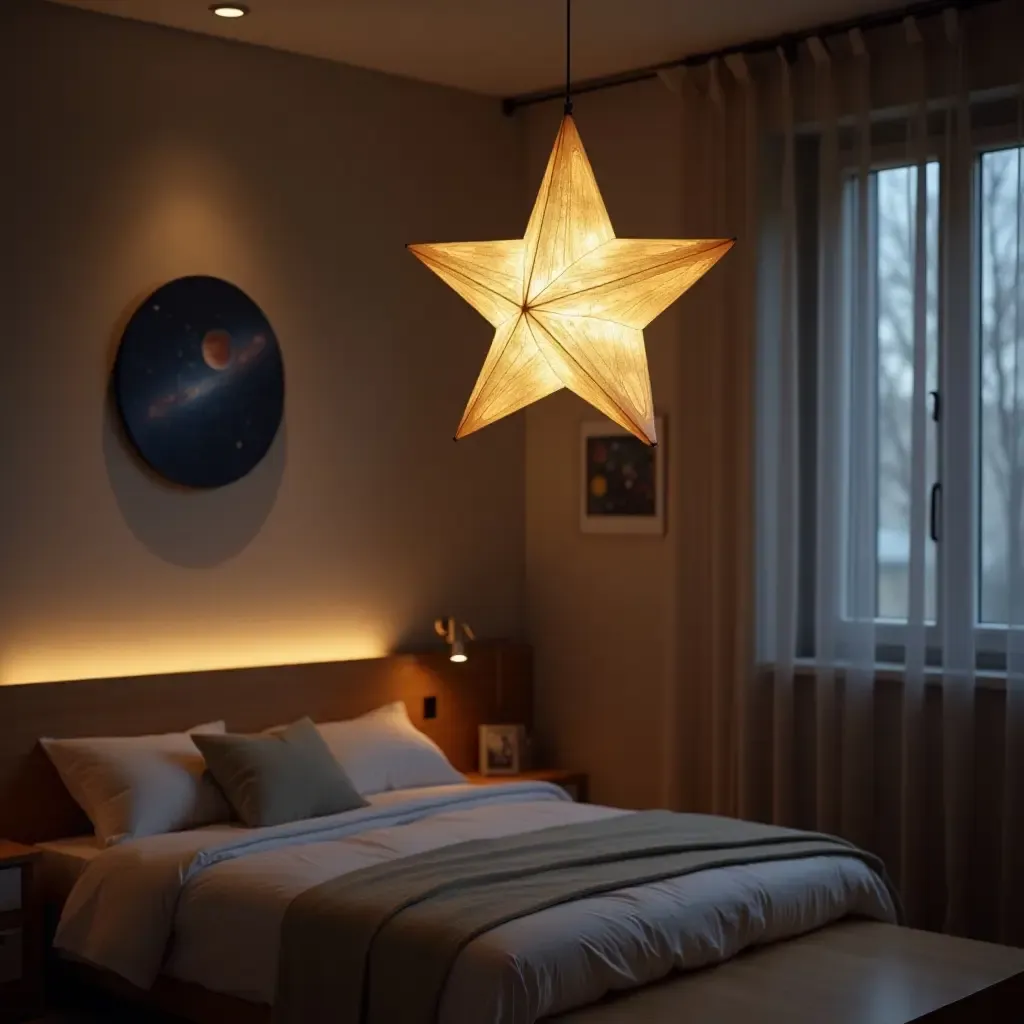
[376, 946]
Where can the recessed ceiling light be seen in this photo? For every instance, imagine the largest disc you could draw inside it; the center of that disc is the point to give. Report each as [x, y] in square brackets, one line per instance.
[230, 10]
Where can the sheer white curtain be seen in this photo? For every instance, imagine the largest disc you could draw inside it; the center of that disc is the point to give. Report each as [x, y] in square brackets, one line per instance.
[891, 430]
[881, 206]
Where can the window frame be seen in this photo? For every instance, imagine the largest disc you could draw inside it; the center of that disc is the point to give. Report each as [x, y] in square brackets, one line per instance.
[959, 298]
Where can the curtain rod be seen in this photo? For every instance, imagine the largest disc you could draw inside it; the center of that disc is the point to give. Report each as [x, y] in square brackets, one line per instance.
[788, 42]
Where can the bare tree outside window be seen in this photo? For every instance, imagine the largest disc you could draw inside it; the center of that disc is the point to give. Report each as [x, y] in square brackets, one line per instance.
[895, 211]
[1002, 386]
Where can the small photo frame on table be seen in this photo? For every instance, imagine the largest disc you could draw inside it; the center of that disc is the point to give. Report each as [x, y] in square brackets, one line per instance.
[622, 480]
[502, 749]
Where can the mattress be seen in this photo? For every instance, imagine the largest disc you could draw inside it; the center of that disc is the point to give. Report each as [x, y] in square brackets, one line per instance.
[61, 864]
[207, 906]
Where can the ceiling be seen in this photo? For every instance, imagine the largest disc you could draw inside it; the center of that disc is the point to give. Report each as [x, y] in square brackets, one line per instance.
[495, 47]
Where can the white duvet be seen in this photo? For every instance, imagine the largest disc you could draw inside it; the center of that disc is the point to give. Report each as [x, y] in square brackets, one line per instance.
[206, 906]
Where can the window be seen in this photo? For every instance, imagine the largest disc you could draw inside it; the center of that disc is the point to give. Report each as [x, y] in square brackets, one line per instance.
[972, 362]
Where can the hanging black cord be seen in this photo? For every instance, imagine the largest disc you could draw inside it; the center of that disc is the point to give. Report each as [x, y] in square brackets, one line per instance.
[568, 56]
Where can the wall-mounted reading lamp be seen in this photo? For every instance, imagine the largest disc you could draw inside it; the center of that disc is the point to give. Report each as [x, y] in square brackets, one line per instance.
[455, 635]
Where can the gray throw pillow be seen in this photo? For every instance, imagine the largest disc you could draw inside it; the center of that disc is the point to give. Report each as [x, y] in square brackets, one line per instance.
[271, 780]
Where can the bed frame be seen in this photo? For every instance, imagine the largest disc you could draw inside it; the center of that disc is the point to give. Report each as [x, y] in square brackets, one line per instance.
[854, 972]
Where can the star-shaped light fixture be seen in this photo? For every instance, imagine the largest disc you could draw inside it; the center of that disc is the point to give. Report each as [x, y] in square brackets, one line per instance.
[569, 301]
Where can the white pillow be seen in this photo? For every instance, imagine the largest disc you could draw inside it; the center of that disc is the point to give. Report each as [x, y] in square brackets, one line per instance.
[134, 786]
[384, 750]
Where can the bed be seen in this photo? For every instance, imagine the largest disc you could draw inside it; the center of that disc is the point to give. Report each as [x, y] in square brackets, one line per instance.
[207, 907]
[193, 920]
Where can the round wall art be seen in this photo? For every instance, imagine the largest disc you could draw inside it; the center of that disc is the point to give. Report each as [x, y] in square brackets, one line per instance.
[199, 382]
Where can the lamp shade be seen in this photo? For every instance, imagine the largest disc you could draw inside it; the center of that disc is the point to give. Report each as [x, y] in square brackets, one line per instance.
[455, 634]
[569, 301]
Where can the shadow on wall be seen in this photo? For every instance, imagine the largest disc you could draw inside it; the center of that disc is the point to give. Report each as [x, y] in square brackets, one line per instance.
[195, 529]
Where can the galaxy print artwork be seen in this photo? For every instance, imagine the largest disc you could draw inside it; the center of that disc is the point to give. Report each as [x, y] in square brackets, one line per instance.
[623, 481]
[620, 477]
[199, 382]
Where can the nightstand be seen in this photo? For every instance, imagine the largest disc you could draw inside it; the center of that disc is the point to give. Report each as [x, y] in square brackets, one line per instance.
[574, 783]
[21, 935]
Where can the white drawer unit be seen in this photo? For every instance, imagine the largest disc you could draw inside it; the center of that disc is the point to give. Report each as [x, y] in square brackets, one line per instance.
[10, 955]
[10, 888]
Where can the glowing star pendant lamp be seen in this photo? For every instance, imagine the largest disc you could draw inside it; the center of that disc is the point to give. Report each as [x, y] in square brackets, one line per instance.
[569, 301]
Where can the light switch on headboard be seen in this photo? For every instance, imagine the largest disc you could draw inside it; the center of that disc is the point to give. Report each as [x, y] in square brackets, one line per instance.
[429, 708]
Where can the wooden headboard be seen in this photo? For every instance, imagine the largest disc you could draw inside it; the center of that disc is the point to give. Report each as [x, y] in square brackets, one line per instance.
[495, 685]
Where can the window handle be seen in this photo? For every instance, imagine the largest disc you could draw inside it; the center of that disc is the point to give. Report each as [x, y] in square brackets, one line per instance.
[936, 405]
[933, 512]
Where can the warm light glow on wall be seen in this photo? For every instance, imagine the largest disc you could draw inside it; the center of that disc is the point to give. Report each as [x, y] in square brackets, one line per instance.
[58, 660]
[569, 301]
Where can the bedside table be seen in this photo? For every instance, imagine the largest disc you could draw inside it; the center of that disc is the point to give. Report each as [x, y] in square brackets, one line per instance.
[574, 783]
[21, 935]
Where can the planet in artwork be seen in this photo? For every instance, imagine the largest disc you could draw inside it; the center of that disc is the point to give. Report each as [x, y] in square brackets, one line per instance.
[199, 382]
[216, 349]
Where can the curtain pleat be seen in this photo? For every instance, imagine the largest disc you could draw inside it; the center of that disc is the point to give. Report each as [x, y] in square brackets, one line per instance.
[786, 484]
[959, 566]
[677, 736]
[743, 800]
[828, 535]
[861, 480]
[1012, 905]
[913, 805]
[721, 727]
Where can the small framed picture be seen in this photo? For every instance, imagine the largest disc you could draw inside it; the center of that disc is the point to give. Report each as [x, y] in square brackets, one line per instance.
[502, 749]
[622, 486]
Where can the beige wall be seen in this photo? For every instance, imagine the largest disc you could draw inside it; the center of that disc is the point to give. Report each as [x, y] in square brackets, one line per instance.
[132, 155]
[600, 606]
